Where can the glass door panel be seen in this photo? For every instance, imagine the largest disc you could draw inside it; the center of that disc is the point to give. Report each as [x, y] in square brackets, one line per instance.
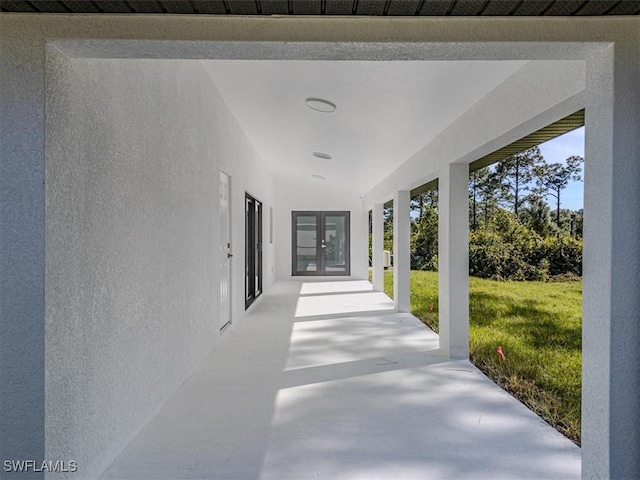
[306, 243]
[334, 244]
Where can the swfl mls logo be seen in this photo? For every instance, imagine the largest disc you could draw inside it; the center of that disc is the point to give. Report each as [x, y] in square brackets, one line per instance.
[58, 466]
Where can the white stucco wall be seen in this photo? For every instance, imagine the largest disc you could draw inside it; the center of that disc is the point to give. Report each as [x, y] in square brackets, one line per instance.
[22, 247]
[132, 293]
[292, 196]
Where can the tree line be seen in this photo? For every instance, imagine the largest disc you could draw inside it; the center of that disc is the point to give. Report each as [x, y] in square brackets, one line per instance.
[514, 233]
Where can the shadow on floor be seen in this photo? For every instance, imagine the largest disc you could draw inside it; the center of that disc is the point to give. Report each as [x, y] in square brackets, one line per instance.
[338, 389]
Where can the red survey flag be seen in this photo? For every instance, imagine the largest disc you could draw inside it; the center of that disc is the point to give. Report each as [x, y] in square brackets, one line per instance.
[499, 350]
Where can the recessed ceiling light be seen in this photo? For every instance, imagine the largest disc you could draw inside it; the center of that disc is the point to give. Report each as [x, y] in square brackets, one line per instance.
[319, 177]
[320, 105]
[326, 156]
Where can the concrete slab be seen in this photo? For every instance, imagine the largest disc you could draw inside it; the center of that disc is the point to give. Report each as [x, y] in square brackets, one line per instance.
[301, 391]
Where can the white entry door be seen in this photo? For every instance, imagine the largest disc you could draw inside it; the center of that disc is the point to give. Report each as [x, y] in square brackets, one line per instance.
[225, 250]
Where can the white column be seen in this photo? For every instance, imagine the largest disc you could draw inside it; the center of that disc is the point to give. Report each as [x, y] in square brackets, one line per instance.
[22, 246]
[377, 246]
[611, 268]
[401, 253]
[453, 260]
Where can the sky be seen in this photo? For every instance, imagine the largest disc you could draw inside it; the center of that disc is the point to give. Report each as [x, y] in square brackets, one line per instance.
[556, 151]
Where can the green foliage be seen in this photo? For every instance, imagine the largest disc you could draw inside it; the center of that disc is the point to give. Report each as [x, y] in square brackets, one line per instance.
[509, 251]
[512, 251]
[514, 174]
[564, 255]
[424, 232]
[538, 326]
[536, 216]
[484, 195]
[522, 244]
[552, 178]
[388, 229]
[491, 257]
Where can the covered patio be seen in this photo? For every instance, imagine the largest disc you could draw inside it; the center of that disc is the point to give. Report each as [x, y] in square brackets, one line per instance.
[153, 168]
[325, 380]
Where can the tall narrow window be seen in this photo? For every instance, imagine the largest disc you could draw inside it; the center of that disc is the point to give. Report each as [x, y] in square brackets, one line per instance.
[253, 249]
[320, 243]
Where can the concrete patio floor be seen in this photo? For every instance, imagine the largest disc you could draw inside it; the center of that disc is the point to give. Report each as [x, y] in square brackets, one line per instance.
[325, 380]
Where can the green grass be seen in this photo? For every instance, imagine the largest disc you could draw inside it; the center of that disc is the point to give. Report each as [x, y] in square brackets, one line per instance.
[537, 324]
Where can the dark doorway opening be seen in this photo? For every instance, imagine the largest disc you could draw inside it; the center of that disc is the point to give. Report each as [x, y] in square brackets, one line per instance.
[253, 249]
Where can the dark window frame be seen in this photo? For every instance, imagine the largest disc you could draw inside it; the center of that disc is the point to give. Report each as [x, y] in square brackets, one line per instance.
[252, 250]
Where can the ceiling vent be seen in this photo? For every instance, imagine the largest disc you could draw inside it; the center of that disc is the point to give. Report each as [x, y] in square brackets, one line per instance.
[320, 105]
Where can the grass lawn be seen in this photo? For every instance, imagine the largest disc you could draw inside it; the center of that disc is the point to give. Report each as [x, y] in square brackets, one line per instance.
[539, 327]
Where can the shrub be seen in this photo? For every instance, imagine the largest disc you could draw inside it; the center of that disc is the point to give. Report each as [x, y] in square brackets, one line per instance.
[511, 251]
[516, 258]
[564, 254]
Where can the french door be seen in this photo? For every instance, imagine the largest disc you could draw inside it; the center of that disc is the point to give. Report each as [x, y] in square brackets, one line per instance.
[253, 250]
[320, 243]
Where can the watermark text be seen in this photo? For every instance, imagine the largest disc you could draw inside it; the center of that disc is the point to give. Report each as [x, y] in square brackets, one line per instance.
[59, 466]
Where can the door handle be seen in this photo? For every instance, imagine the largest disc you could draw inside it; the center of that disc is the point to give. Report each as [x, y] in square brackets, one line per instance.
[229, 255]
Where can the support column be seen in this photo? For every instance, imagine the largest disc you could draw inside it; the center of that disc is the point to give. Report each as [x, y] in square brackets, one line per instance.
[611, 268]
[401, 250]
[377, 247]
[22, 250]
[453, 260]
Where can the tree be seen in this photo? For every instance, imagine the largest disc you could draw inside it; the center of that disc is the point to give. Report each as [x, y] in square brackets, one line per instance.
[476, 181]
[536, 215]
[489, 193]
[424, 232]
[483, 196]
[514, 175]
[424, 201]
[387, 216]
[553, 178]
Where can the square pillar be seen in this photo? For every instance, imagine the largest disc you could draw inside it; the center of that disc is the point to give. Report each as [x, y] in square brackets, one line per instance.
[377, 246]
[611, 266]
[401, 250]
[453, 260]
[22, 250]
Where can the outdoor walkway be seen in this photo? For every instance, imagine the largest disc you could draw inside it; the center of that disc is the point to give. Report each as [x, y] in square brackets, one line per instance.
[324, 380]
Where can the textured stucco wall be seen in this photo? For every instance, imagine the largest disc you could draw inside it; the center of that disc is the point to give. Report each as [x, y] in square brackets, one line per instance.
[133, 151]
[236, 155]
[21, 247]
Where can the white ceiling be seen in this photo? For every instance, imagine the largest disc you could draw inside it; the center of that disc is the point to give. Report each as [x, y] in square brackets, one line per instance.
[386, 111]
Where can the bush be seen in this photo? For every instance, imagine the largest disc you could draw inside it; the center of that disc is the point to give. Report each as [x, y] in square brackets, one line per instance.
[564, 254]
[492, 257]
[429, 263]
[511, 251]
